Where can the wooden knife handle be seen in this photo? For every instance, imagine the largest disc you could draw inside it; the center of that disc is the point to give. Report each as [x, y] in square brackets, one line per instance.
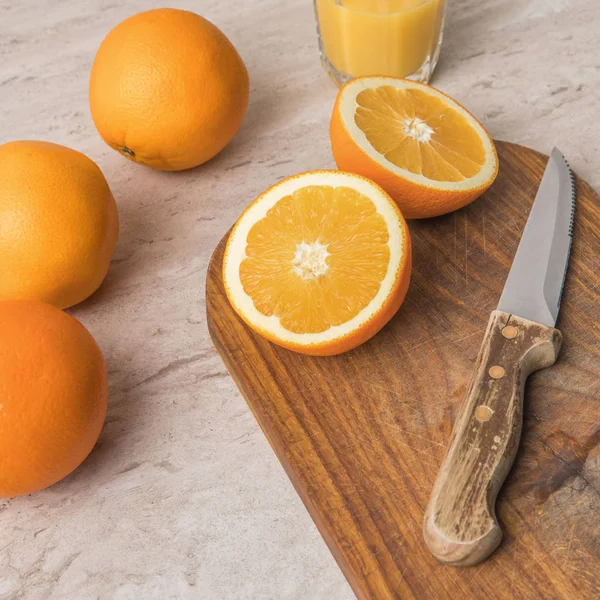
[460, 526]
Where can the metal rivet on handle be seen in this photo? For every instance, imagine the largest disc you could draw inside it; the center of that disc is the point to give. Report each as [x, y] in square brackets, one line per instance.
[496, 372]
[510, 332]
[483, 413]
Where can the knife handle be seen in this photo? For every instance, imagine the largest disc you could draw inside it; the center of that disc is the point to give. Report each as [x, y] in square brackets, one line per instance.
[460, 526]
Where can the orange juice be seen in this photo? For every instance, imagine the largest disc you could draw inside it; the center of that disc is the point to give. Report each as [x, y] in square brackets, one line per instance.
[380, 37]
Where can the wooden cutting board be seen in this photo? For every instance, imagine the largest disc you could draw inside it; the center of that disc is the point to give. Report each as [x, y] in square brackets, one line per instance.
[362, 435]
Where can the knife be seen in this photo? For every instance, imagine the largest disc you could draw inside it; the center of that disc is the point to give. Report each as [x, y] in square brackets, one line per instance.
[460, 526]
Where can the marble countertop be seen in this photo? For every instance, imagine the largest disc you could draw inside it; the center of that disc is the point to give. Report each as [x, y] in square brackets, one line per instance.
[183, 497]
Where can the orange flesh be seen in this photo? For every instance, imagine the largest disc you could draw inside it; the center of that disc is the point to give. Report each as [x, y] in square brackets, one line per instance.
[344, 242]
[449, 148]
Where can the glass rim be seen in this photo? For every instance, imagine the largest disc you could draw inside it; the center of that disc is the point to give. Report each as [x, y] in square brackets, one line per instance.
[340, 3]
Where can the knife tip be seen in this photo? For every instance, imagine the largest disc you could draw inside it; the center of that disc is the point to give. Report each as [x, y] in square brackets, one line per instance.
[556, 152]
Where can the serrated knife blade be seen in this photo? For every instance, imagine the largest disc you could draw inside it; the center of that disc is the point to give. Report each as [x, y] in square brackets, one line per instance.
[535, 282]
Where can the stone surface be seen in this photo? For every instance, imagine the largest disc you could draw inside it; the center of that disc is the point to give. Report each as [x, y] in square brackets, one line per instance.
[182, 497]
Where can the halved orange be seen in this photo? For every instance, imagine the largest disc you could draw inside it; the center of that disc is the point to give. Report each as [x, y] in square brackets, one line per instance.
[424, 149]
[319, 262]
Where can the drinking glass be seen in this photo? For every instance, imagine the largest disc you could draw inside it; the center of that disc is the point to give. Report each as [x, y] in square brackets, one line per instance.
[401, 38]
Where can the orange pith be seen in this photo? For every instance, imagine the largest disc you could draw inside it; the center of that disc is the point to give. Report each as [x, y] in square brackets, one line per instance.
[330, 256]
[393, 121]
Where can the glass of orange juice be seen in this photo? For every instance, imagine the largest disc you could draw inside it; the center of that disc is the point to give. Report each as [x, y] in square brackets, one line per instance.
[401, 38]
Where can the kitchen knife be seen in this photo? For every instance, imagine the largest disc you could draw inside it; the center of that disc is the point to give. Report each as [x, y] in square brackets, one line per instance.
[460, 526]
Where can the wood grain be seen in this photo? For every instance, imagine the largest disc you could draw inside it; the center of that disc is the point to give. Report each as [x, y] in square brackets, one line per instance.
[460, 525]
[362, 435]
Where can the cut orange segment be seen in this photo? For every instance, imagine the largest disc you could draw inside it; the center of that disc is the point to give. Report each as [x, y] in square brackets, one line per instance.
[318, 263]
[428, 152]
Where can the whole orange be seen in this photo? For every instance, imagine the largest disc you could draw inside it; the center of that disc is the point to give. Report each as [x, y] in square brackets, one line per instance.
[168, 89]
[58, 224]
[53, 395]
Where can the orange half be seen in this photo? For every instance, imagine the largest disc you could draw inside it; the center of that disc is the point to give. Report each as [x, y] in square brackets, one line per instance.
[319, 262]
[428, 152]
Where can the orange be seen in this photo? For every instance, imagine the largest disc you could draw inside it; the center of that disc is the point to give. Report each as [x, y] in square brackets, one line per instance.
[58, 224]
[427, 151]
[168, 89]
[53, 395]
[318, 263]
